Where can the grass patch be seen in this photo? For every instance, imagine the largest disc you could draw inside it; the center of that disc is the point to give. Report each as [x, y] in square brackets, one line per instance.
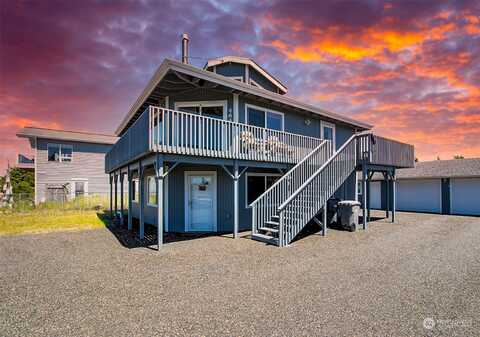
[47, 220]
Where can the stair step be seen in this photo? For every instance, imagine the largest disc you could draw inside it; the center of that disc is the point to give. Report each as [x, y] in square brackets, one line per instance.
[276, 218]
[273, 224]
[268, 229]
[265, 238]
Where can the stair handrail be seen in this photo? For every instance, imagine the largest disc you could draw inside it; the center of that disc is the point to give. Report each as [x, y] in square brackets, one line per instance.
[287, 175]
[313, 176]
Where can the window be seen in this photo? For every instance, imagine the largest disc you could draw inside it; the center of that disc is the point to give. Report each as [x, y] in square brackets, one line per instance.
[59, 152]
[152, 191]
[79, 188]
[328, 132]
[214, 109]
[255, 84]
[264, 118]
[237, 78]
[257, 183]
[135, 194]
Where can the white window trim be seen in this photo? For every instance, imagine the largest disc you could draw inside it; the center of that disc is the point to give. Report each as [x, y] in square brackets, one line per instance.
[187, 195]
[60, 145]
[85, 186]
[256, 107]
[256, 84]
[148, 191]
[201, 104]
[257, 174]
[334, 133]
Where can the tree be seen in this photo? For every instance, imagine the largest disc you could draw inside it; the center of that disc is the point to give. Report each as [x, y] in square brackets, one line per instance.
[458, 156]
[22, 180]
[438, 158]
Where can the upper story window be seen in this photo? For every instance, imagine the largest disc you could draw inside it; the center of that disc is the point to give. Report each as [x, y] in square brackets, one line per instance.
[214, 109]
[60, 152]
[265, 118]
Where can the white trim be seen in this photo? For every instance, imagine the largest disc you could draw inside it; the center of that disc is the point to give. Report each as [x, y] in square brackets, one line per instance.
[60, 146]
[257, 174]
[254, 83]
[334, 133]
[148, 191]
[266, 110]
[247, 74]
[187, 197]
[201, 104]
[237, 78]
[135, 189]
[236, 107]
[167, 102]
[73, 189]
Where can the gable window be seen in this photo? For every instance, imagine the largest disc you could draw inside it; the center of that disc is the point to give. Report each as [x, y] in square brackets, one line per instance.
[152, 191]
[214, 109]
[264, 118]
[257, 183]
[60, 152]
[328, 132]
[255, 84]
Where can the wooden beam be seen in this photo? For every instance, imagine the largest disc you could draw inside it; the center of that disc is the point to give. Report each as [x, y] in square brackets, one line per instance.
[160, 182]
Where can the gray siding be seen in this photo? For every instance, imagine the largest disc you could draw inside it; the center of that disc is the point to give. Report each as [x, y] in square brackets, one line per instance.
[87, 163]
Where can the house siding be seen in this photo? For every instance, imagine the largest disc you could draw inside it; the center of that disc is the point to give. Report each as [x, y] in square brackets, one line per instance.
[88, 162]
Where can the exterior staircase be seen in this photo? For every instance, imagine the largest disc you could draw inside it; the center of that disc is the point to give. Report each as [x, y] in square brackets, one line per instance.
[283, 210]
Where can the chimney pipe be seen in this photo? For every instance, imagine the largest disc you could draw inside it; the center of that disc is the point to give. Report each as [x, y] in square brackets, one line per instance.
[185, 48]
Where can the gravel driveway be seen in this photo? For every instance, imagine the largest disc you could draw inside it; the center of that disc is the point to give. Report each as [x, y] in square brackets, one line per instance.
[385, 281]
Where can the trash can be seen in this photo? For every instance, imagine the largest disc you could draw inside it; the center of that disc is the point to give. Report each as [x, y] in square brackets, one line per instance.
[348, 211]
[332, 207]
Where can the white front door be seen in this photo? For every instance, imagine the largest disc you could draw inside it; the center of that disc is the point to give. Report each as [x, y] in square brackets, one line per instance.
[201, 201]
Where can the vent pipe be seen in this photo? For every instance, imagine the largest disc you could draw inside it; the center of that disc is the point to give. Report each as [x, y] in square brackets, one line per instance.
[185, 48]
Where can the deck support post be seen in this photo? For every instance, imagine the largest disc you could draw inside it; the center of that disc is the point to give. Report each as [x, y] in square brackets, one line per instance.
[236, 177]
[121, 197]
[325, 211]
[129, 176]
[142, 200]
[368, 198]
[364, 195]
[387, 194]
[356, 186]
[115, 179]
[159, 171]
[111, 197]
[394, 197]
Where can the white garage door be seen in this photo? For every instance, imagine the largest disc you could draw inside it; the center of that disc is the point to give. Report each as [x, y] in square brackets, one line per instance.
[419, 195]
[465, 196]
[375, 195]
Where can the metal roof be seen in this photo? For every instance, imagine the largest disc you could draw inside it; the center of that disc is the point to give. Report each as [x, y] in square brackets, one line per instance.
[455, 168]
[250, 62]
[187, 69]
[74, 136]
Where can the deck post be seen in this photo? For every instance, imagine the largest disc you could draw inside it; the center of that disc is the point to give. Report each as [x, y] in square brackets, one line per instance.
[387, 195]
[129, 176]
[115, 179]
[160, 180]
[364, 195]
[235, 200]
[121, 197]
[111, 197]
[368, 198]
[142, 200]
[325, 210]
[394, 197]
[356, 186]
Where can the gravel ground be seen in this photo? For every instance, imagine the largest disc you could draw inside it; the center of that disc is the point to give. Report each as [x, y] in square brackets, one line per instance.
[384, 281]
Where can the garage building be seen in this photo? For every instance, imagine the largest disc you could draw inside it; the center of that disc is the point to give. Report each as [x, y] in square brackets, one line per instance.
[440, 186]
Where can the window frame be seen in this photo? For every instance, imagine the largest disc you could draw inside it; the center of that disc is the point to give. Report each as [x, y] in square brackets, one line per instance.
[135, 190]
[60, 157]
[149, 178]
[334, 133]
[256, 84]
[258, 174]
[207, 104]
[266, 111]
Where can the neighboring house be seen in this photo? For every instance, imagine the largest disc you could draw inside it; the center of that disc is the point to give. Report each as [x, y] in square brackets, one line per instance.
[221, 144]
[68, 163]
[24, 162]
[439, 186]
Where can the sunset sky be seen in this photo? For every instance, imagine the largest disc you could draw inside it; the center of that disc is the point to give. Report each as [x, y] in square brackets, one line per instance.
[411, 69]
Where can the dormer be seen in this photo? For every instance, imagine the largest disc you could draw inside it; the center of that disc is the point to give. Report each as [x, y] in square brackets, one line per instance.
[245, 70]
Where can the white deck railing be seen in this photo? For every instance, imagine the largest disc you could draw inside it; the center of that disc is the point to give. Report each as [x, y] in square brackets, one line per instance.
[179, 132]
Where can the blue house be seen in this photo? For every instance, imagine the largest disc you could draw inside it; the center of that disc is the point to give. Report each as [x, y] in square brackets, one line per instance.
[224, 149]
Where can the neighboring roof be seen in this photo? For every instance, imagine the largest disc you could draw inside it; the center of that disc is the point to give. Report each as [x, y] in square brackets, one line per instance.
[454, 168]
[74, 136]
[251, 63]
[188, 69]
